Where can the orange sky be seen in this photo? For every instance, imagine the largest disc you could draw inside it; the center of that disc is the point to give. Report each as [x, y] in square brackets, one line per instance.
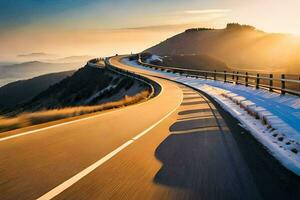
[104, 27]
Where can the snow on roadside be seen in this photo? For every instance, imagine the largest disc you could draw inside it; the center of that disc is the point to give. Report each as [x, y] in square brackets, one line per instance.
[267, 128]
[154, 58]
[274, 120]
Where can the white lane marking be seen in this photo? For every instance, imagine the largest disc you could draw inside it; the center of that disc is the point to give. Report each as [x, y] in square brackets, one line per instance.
[51, 194]
[68, 183]
[74, 121]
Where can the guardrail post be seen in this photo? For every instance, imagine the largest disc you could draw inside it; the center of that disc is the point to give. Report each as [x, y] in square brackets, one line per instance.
[205, 75]
[271, 83]
[299, 84]
[257, 81]
[233, 77]
[282, 84]
[225, 76]
[246, 79]
[237, 78]
[215, 75]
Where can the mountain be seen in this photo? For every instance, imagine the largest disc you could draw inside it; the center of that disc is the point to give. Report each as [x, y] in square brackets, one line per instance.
[52, 58]
[20, 92]
[241, 47]
[26, 70]
[71, 59]
[35, 55]
[87, 86]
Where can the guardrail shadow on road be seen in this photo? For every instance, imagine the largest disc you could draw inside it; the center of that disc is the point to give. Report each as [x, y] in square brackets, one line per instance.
[192, 103]
[193, 158]
[209, 156]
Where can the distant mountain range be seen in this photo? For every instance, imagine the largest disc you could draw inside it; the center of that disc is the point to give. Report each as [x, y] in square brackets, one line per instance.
[19, 92]
[238, 46]
[71, 59]
[52, 58]
[26, 70]
[35, 55]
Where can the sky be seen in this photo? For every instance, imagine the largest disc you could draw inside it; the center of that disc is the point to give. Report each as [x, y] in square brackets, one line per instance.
[107, 27]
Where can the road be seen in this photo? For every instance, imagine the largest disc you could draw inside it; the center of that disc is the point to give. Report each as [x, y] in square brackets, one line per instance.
[178, 145]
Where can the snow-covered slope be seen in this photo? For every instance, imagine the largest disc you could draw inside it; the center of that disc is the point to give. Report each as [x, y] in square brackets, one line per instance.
[273, 119]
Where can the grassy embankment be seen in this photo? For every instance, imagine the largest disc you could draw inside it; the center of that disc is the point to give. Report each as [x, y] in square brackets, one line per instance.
[28, 119]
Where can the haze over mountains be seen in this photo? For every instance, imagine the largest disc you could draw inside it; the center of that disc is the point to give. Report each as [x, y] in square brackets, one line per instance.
[36, 55]
[241, 47]
[27, 66]
[71, 59]
[13, 72]
[49, 57]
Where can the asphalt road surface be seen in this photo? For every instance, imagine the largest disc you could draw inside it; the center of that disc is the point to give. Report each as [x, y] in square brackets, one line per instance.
[178, 145]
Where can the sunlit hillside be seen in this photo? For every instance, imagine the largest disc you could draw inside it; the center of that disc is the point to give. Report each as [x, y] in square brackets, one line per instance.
[241, 47]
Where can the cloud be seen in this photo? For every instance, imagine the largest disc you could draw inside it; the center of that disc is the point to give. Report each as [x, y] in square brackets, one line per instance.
[206, 11]
[198, 12]
[162, 27]
[197, 16]
[184, 19]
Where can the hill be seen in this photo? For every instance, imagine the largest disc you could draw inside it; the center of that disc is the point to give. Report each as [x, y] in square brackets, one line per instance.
[87, 86]
[22, 91]
[240, 47]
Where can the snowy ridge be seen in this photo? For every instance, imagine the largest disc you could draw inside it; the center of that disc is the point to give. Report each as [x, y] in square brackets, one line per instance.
[274, 120]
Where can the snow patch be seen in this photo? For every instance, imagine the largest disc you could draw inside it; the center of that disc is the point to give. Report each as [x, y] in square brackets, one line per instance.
[154, 58]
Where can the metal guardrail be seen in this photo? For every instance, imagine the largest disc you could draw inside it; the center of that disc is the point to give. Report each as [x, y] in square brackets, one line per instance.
[93, 63]
[132, 75]
[282, 84]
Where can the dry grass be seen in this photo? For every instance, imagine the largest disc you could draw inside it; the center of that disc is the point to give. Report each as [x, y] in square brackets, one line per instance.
[28, 119]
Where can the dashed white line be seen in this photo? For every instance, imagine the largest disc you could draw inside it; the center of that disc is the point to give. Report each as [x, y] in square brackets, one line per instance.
[65, 185]
[68, 183]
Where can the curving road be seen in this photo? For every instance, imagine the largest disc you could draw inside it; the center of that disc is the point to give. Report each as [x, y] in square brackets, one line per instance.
[177, 145]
